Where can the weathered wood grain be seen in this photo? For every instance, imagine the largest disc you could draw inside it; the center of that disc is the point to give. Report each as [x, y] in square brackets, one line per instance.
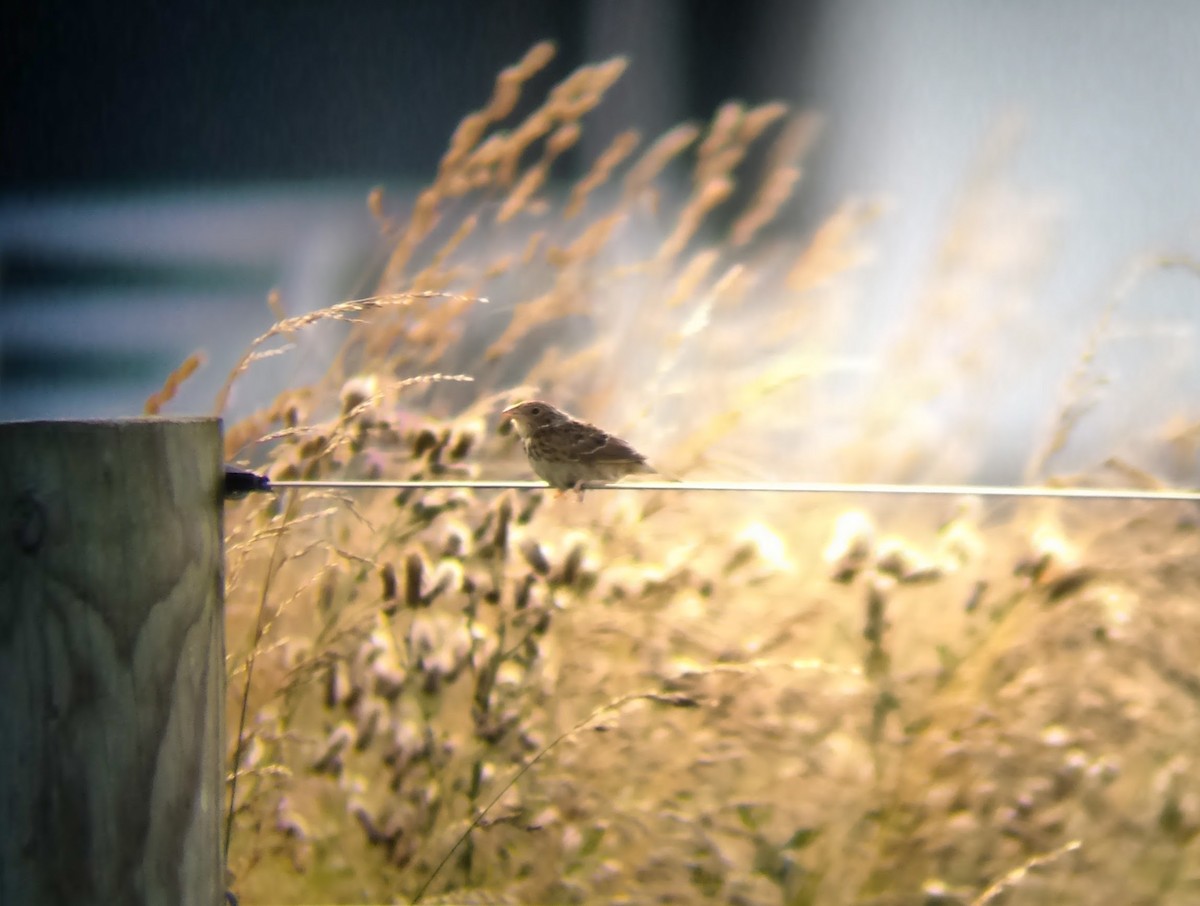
[111, 662]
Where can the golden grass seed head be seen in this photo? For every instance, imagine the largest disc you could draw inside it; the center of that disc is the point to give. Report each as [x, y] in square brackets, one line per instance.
[758, 550]
[739, 555]
[406, 745]
[359, 670]
[286, 472]
[621, 581]
[453, 654]
[439, 643]
[454, 539]
[463, 439]
[294, 652]
[608, 876]
[487, 773]
[252, 753]
[1105, 770]
[387, 679]
[387, 582]
[851, 545]
[329, 758]
[448, 577]
[373, 829]
[1050, 558]
[531, 741]
[1056, 736]
[285, 467]
[577, 566]
[472, 583]
[289, 822]
[485, 646]
[484, 525]
[879, 590]
[572, 569]
[460, 499]
[371, 714]
[386, 435]
[959, 545]
[936, 892]
[357, 391]
[483, 585]
[431, 504]
[427, 798]
[534, 554]
[540, 627]
[315, 446]
[571, 839]
[423, 440]
[524, 592]
[310, 469]
[337, 683]
[415, 570]
[511, 675]
[485, 683]
[1069, 775]
[529, 505]
[433, 455]
[327, 589]
[941, 798]
[1075, 765]
[544, 819]
[496, 525]
[493, 727]
[371, 464]
[896, 558]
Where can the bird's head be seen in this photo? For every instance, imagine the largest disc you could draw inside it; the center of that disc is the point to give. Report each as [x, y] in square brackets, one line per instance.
[530, 416]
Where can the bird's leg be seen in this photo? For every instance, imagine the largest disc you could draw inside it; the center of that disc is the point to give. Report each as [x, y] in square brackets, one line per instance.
[577, 487]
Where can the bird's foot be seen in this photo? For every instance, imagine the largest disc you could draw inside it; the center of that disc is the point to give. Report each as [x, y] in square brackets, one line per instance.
[578, 487]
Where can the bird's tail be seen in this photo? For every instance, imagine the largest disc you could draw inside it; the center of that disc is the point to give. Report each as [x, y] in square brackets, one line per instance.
[648, 469]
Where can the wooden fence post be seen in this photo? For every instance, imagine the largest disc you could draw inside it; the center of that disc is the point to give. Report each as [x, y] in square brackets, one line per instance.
[112, 663]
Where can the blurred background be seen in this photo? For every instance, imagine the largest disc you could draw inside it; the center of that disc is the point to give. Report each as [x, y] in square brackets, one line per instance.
[164, 166]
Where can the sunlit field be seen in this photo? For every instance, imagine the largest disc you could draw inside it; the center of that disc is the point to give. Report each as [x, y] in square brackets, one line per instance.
[652, 696]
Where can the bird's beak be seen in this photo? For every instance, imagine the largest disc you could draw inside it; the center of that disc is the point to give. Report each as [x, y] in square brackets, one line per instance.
[507, 414]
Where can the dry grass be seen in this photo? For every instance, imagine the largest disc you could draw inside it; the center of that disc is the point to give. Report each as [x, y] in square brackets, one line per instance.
[645, 697]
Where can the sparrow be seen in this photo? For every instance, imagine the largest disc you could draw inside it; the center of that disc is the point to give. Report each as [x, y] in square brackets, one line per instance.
[567, 453]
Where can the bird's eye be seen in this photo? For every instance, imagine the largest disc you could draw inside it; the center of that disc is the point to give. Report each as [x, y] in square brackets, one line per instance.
[536, 410]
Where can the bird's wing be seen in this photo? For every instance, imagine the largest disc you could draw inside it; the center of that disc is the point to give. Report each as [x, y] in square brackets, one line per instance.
[590, 444]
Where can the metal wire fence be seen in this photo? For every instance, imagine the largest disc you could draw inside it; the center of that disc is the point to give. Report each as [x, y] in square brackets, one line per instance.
[776, 487]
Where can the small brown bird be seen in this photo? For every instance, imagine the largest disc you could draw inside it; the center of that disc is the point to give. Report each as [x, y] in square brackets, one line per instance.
[567, 453]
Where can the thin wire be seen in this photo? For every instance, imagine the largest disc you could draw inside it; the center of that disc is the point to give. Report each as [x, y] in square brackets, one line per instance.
[780, 487]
